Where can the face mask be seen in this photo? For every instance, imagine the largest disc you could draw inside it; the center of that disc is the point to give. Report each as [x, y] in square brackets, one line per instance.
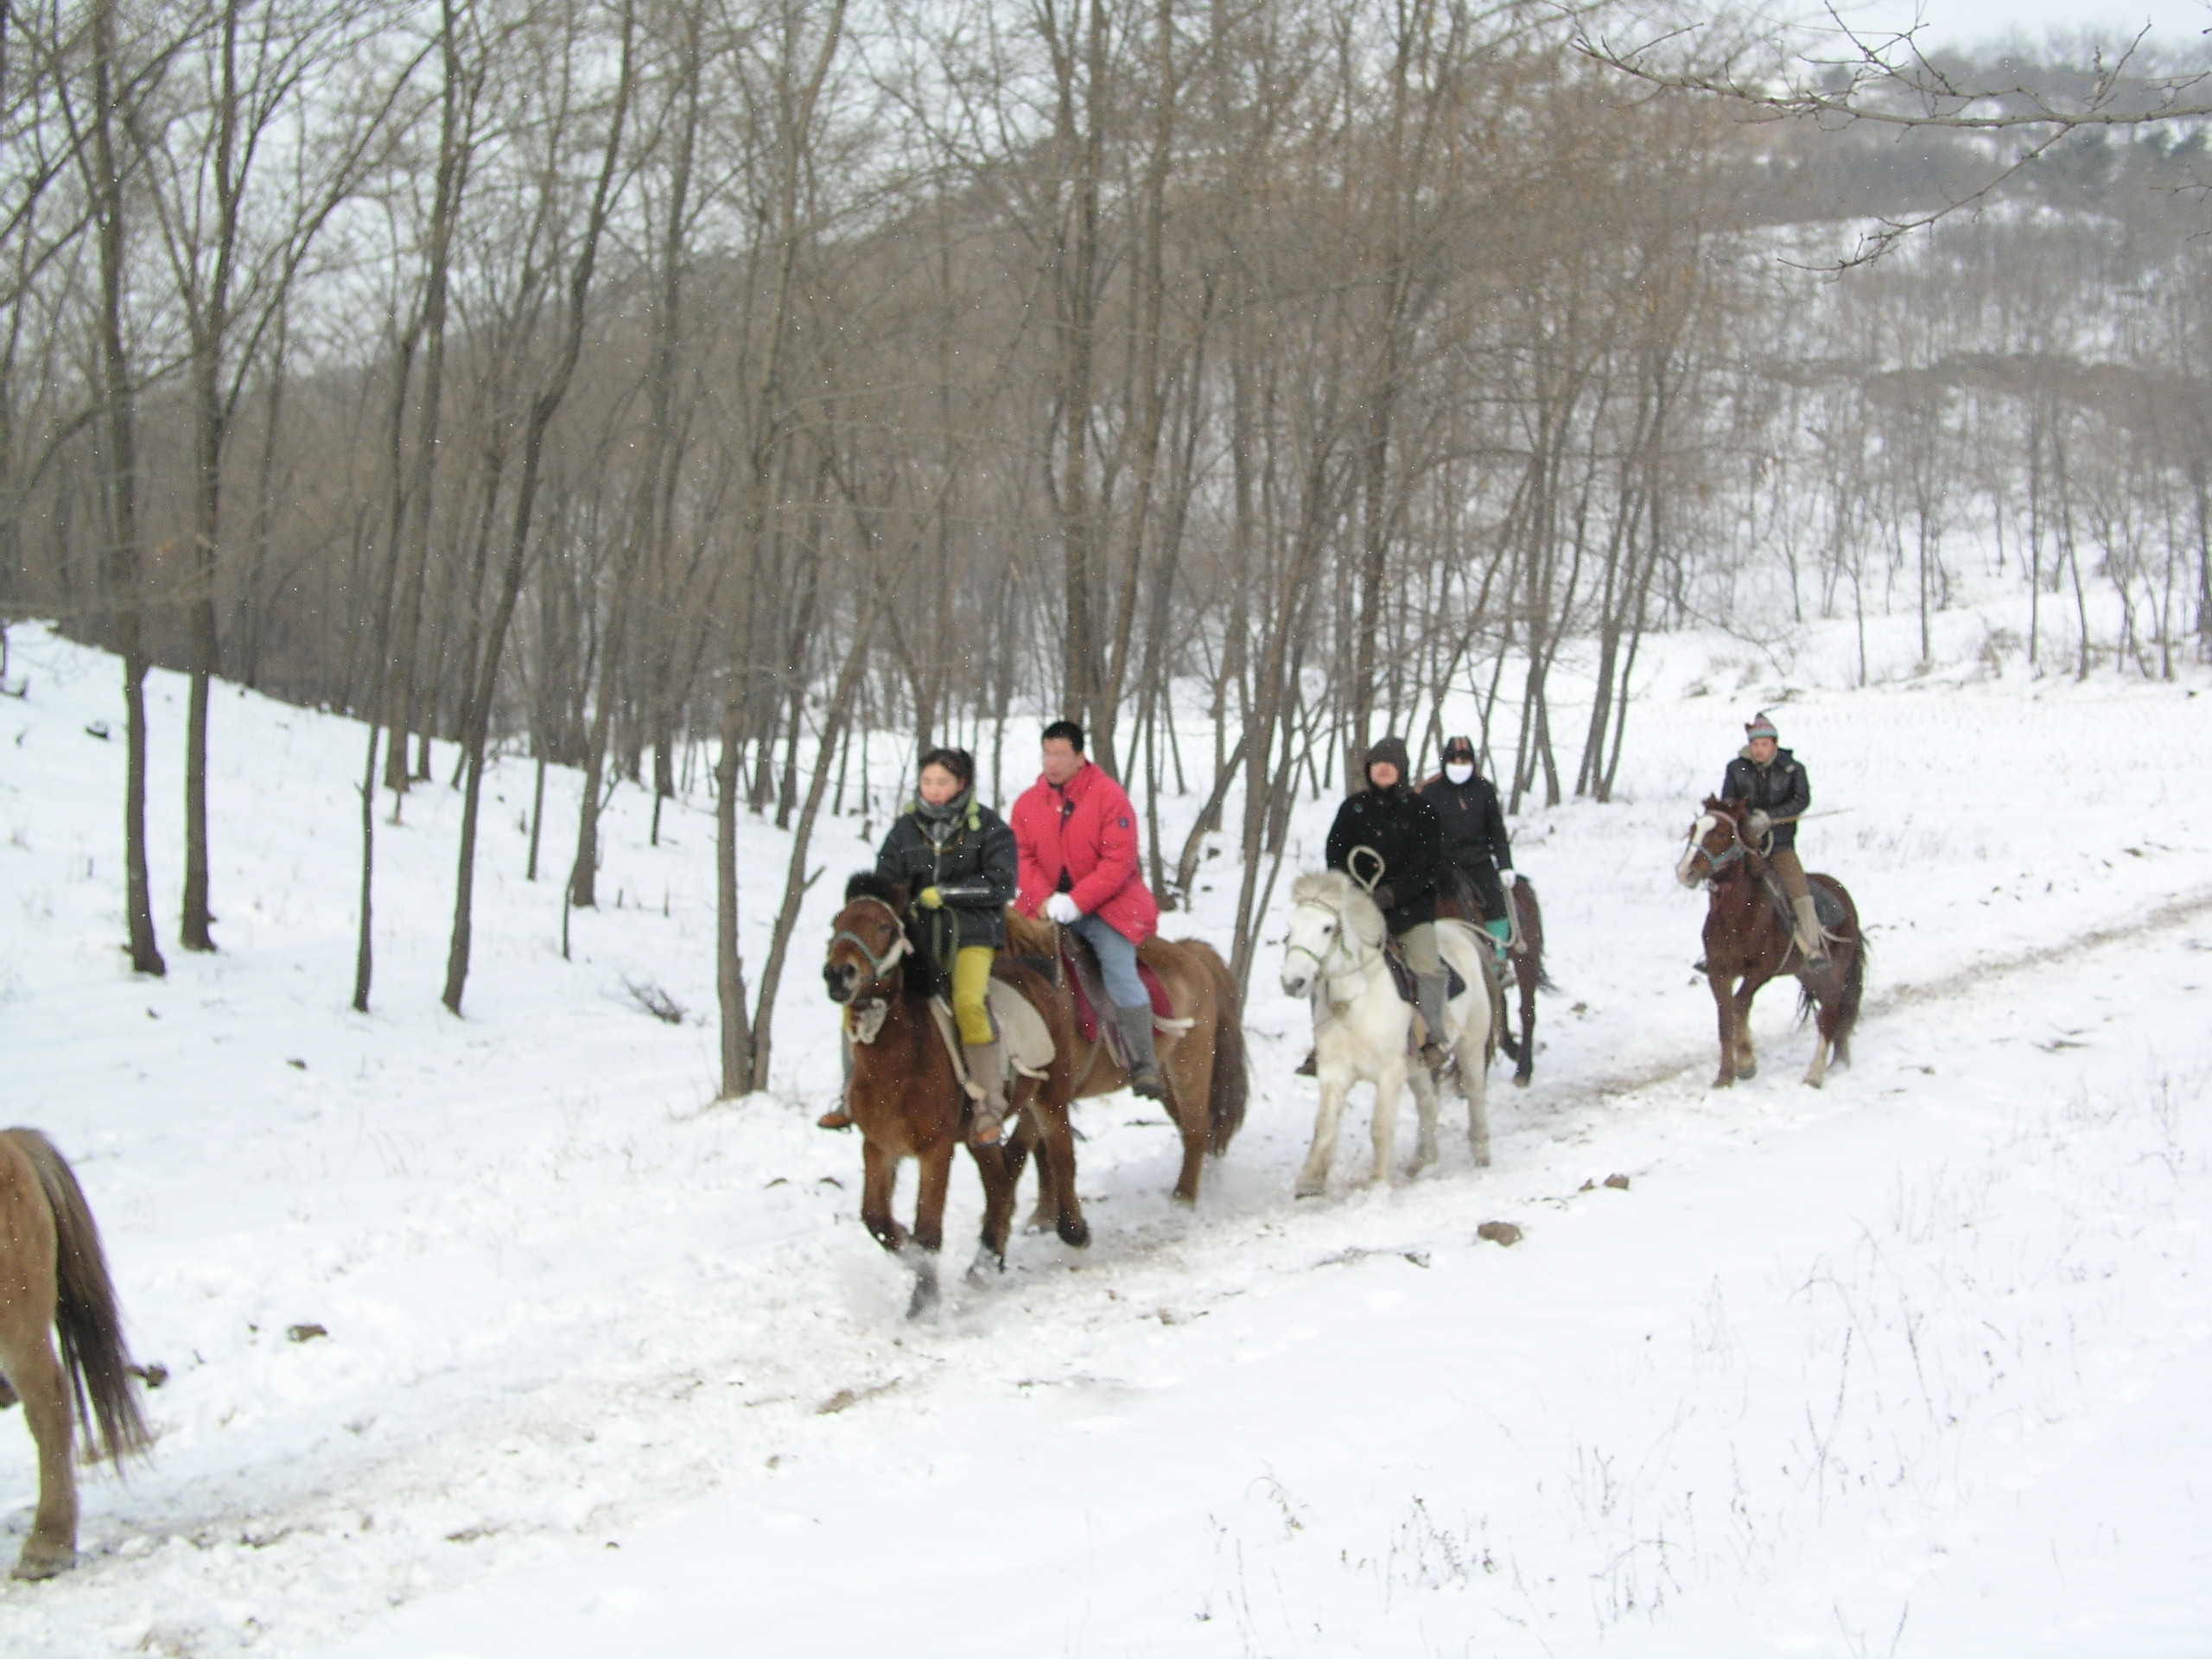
[1459, 771]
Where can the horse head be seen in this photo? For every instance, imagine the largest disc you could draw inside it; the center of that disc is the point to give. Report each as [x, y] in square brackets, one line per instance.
[866, 941]
[1334, 926]
[1715, 841]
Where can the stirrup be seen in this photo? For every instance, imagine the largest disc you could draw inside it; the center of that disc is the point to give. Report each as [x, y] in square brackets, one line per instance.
[1145, 1083]
[835, 1118]
[986, 1128]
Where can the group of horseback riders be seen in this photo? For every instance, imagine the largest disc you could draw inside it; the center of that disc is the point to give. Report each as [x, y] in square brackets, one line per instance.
[1070, 856]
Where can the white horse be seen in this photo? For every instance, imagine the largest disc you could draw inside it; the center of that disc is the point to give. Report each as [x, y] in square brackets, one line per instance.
[1363, 1029]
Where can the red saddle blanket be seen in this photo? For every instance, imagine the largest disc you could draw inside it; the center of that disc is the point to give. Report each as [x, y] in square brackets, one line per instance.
[1080, 970]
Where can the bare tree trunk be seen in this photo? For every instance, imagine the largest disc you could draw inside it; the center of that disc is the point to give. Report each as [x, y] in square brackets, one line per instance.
[106, 187]
[544, 407]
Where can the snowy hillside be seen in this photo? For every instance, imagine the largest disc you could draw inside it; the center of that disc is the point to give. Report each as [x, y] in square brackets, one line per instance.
[1918, 1363]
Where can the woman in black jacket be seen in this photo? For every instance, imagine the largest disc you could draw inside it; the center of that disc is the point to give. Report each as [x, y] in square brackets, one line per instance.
[956, 858]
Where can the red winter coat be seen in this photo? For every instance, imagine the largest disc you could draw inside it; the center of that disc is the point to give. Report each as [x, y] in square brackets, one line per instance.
[1086, 829]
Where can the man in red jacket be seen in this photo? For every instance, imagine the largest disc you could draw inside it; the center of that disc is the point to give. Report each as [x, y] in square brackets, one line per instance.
[1077, 836]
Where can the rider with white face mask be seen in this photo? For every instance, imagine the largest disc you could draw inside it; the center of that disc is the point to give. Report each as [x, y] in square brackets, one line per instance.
[1476, 846]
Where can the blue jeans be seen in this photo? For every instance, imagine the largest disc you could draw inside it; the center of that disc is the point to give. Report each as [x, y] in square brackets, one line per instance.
[1117, 962]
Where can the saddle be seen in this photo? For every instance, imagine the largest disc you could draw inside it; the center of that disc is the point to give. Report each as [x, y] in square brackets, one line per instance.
[1087, 992]
[1028, 1039]
[1402, 976]
[1828, 904]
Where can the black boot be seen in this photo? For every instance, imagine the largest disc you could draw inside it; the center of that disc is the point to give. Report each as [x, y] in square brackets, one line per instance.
[1135, 1024]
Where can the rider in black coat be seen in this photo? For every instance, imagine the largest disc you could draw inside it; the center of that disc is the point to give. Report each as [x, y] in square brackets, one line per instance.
[1773, 780]
[1476, 845]
[1390, 820]
[1399, 827]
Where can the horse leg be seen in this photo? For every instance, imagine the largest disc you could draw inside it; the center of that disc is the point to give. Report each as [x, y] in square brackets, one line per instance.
[38, 1378]
[1388, 1081]
[1186, 1106]
[1725, 1005]
[28, 1293]
[1314, 1177]
[1525, 1060]
[1056, 1154]
[1474, 1088]
[1000, 1168]
[929, 1226]
[1747, 1060]
[878, 1176]
[1424, 1086]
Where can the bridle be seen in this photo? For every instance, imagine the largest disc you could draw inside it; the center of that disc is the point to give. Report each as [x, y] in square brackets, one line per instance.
[878, 965]
[1716, 863]
[1339, 945]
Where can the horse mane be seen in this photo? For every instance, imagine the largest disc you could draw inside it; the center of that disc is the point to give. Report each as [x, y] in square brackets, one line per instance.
[1334, 890]
[867, 884]
[1714, 804]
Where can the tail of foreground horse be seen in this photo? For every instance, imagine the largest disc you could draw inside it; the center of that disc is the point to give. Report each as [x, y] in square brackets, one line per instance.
[86, 1317]
[1231, 1085]
[1847, 1008]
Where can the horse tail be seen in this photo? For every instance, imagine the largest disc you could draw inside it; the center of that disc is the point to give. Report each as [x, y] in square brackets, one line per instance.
[1847, 1008]
[1532, 932]
[1231, 1086]
[86, 1317]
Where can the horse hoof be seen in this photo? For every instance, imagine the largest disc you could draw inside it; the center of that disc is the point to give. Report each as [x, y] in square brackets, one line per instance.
[1310, 1189]
[1747, 1073]
[1482, 1157]
[34, 1565]
[1188, 1200]
[1724, 1081]
[1075, 1235]
[1520, 1079]
[985, 1268]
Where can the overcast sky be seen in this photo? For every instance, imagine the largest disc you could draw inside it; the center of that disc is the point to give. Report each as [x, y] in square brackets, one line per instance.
[2175, 24]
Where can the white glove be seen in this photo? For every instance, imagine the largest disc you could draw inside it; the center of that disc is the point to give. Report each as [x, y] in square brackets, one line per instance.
[1759, 825]
[1506, 877]
[1060, 908]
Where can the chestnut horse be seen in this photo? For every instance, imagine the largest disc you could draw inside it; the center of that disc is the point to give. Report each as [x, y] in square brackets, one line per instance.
[1202, 1067]
[1453, 900]
[908, 1102]
[54, 1282]
[1748, 938]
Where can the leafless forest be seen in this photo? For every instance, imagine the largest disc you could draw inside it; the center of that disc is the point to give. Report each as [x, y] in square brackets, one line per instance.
[679, 389]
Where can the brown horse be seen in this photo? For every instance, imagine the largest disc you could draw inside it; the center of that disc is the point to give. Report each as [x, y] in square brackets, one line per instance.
[1453, 899]
[1202, 1066]
[54, 1282]
[1748, 938]
[908, 1102]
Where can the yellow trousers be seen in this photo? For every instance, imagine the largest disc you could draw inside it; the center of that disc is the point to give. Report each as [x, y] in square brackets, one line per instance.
[971, 985]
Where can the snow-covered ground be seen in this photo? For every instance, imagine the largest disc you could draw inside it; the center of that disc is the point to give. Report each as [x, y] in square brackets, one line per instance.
[1918, 1363]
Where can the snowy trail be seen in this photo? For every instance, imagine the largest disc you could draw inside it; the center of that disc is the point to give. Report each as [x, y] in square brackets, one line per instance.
[611, 1370]
[680, 1404]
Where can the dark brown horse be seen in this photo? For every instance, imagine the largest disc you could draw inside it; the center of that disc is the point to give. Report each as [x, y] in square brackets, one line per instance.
[908, 1102]
[54, 1282]
[1203, 1067]
[1453, 899]
[1748, 938]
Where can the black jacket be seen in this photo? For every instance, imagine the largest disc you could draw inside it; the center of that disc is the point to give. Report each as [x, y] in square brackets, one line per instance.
[1402, 828]
[1780, 789]
[1473, 823]
[969, 857]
